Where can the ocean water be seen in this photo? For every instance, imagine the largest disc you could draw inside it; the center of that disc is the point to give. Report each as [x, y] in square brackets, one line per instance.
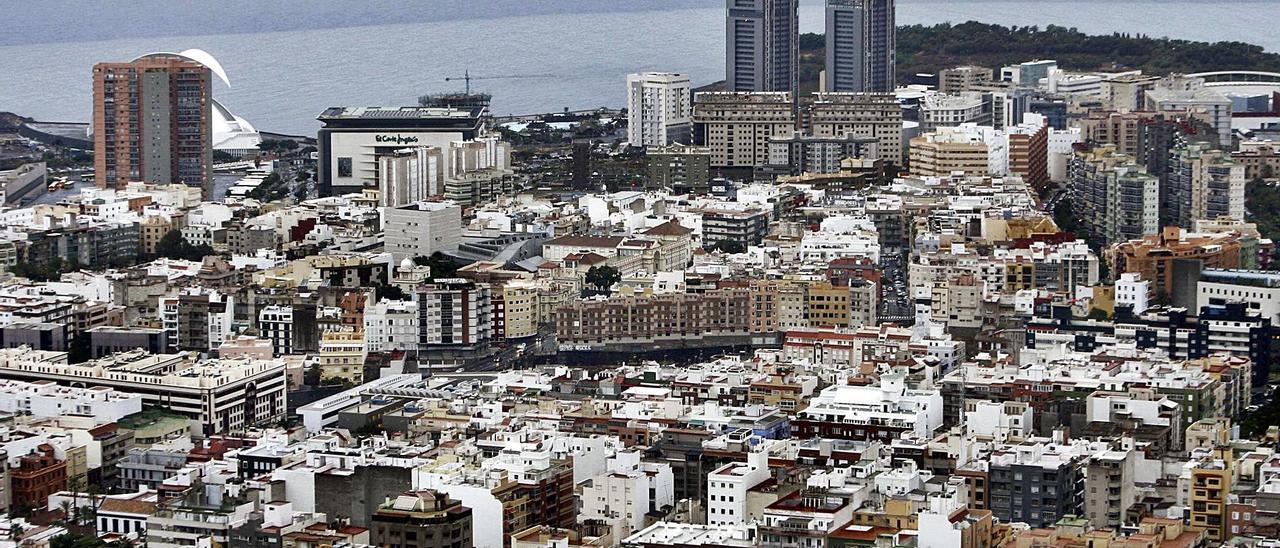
[288, 61]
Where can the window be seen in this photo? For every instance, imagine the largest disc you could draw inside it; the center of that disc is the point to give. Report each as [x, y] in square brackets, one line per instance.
[344, 166]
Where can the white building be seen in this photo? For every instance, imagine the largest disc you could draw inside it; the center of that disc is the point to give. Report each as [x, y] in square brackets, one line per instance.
[391, 325]
[727, 488]
[952, 109]
[627, 490]
[47, 399]
[421, 229]
[823, 247]
[1000, 421]
[889, 407]
[1133, 291]
[659, 109]
[221, 394]
[409, 175]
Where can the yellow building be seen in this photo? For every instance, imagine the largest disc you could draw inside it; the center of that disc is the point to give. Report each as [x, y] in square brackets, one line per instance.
[150, 231]
[948, 150]
[1209, 488]
[342, 356]
[520, 300]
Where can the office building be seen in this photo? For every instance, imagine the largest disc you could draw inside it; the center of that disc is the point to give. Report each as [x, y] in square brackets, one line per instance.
[659, 109]
[963, 78]
[861, 46]
[220, 395]
[152, 122]
[421, 229]
[762, 45]
[353, 138]
[946, 151]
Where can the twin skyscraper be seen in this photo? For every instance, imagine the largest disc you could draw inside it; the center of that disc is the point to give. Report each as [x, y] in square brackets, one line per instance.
[762, 45]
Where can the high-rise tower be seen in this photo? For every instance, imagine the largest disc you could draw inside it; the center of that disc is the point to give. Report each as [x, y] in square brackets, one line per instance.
[861, 43]
[762, 45]
[151, 122]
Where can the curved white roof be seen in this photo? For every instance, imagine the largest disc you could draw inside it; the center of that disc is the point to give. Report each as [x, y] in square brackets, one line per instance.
[230, 132]
[198, 55]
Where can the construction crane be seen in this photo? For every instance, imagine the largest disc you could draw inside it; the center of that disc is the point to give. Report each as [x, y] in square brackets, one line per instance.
[467, 77]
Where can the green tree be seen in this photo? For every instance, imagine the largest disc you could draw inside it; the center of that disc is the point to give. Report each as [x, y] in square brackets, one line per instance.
[602, 277]
[71, 540]
[1098, 314]
[312, 375]
[730, 246]
[442, 266]
[174, 246]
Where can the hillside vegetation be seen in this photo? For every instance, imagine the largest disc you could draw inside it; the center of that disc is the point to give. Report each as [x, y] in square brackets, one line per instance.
[928, 49]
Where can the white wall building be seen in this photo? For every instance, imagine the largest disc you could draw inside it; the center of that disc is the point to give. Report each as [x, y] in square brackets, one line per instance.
[727, 488]
[391, 325]
[621, 496]
[221, 395]
[47, 399]
[659, 109]
[1134, 291]
[421, 229]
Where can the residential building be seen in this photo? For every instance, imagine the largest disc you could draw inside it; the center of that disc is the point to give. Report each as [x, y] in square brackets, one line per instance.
[659, 109]
[453, 312]
[738, 127]
[410, 175]
[948, 110]
[1115, 199]
[874, 115]
[1207, 184]
[275, 322]
[802, 153]
[946, 151]
[391, 325]
[881, 412]
[1179, 94]
[1036, 483]
[728, 487]
[152, 121]
[1153, 256]
[422, 519]
[682, 168]
[1209, 491]
[37, 475]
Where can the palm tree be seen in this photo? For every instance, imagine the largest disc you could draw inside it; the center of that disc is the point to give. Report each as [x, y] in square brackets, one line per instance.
[65, 506]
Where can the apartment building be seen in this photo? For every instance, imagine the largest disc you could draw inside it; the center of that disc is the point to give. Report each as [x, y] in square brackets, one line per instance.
[659, 109]
[152, 122]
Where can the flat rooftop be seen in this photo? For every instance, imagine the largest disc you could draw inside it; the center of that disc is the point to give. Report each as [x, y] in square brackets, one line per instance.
[399, 113]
